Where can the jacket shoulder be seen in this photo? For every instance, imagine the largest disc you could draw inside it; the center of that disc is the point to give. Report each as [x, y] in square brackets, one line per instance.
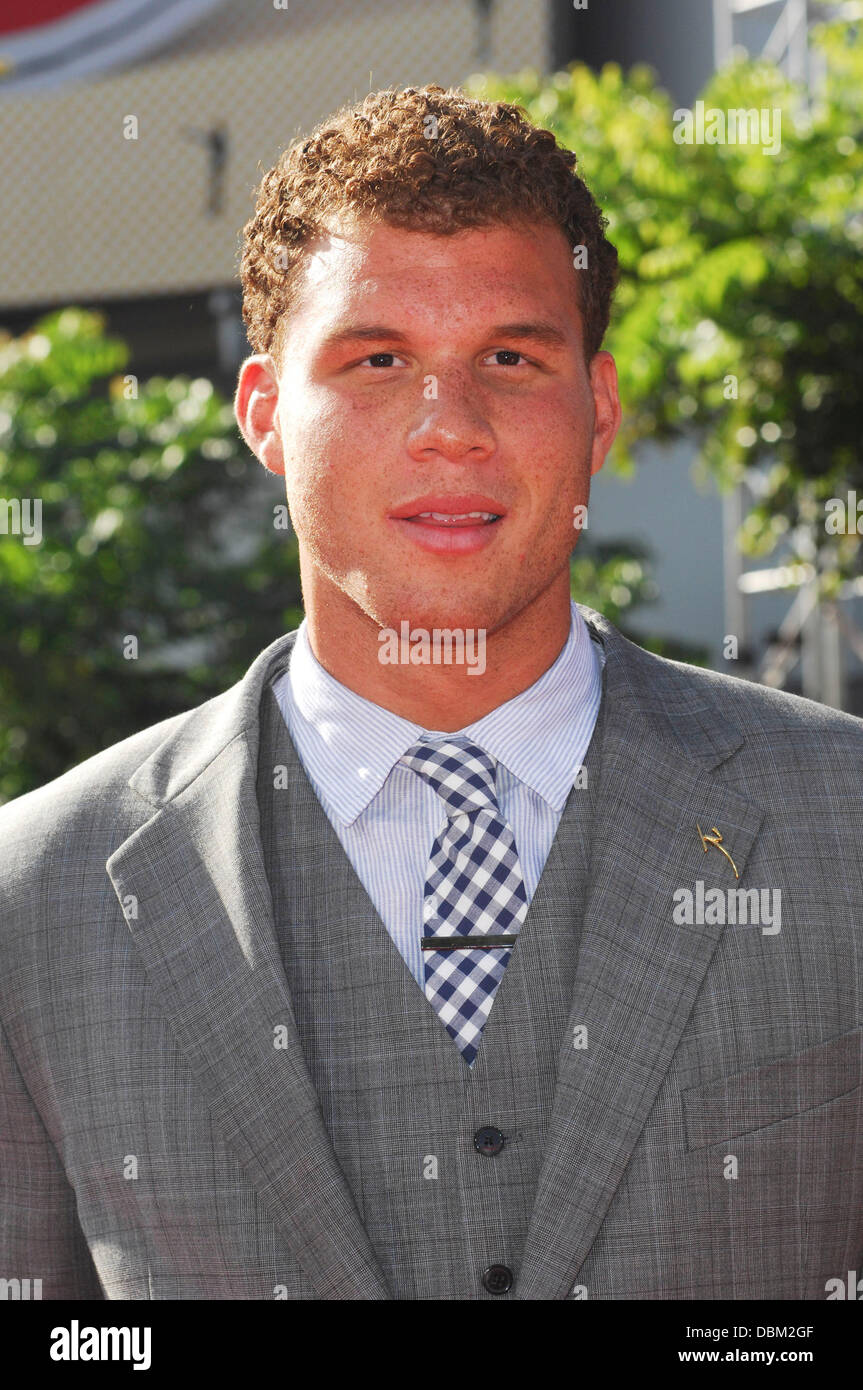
[676, 694]
[759, 708]
[86, 813]
[91, 800]
[757, 711]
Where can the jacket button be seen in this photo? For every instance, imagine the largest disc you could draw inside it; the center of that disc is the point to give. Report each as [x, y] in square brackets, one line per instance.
[488, 1140]
[497, 1278]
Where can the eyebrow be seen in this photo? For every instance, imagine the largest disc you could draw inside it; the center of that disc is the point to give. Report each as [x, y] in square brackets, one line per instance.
[535, 331]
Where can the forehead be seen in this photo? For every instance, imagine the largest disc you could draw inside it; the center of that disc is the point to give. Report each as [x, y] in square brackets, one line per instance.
[498, 270]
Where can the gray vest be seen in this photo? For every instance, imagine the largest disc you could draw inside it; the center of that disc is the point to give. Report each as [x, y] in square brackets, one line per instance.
[399, 1102]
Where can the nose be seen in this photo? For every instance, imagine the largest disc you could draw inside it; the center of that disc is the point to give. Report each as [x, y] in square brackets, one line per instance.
[451, 424]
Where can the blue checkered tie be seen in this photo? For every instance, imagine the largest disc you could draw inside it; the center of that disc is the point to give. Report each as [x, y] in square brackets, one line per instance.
[474, 890]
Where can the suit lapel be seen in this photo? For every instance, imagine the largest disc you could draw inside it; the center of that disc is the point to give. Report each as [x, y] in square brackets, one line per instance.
[204, 929]
[638, 972]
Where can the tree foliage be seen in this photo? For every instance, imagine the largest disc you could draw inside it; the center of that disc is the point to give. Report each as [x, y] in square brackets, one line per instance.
[147, 532]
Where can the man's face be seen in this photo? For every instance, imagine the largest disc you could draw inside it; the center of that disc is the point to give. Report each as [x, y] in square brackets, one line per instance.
[426, 374]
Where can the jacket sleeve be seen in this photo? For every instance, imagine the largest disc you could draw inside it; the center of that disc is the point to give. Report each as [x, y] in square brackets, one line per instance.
[40, 1236]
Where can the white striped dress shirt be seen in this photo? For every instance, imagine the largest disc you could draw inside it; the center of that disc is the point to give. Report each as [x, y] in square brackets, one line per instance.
[387, 817]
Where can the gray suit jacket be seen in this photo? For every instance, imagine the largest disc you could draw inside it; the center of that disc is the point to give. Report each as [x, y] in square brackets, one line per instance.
[707, 1141]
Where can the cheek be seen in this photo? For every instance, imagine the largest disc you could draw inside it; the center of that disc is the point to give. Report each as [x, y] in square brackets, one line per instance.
[553, 446]
[550, 425]
[331, 482]
[329, 444]
[318, 458]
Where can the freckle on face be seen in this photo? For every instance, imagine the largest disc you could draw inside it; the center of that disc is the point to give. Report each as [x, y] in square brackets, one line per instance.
[359, 446]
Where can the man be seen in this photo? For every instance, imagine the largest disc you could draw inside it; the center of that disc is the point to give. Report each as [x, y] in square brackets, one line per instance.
[463, 950]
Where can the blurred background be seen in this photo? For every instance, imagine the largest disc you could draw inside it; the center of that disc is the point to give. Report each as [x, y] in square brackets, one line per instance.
[145, 557]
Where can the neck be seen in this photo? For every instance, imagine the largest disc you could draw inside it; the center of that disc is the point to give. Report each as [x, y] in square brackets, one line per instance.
[485, 667]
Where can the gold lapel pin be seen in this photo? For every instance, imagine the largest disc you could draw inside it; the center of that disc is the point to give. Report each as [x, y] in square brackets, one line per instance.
[715, 839]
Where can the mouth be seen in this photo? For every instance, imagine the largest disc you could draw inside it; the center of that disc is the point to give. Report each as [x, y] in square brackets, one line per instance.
[465, 508]
[451, 524]
[454, 518]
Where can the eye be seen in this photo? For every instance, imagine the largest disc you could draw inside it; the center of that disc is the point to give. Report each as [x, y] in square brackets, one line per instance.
[390, 358]
[509, 352]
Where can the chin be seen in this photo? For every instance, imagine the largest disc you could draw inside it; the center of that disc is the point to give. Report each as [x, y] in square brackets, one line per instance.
[429, 612]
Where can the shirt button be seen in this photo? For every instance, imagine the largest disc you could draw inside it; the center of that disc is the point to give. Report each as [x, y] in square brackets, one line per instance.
[497, 1278]
[488, 1140]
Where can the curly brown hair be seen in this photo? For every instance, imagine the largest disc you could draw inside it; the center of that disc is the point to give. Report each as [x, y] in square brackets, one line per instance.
[425, 159]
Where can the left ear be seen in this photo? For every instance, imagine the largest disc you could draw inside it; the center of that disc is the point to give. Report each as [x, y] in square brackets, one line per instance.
[606, 401]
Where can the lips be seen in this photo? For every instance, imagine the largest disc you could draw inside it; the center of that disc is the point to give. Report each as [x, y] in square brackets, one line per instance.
[469, 508]
[451, 523]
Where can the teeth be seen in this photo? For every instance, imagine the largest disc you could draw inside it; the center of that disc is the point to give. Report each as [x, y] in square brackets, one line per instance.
[458, 516]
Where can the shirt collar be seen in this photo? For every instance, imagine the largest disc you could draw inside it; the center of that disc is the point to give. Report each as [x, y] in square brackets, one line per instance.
[541, 735]
[349, 745]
